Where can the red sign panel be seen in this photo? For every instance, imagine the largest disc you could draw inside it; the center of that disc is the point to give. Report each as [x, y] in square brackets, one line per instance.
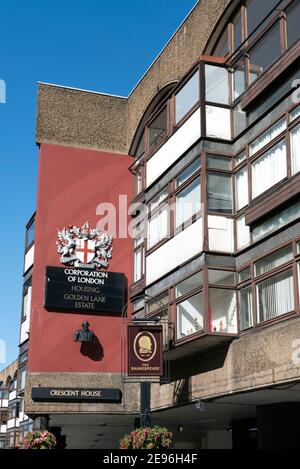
[145, 351]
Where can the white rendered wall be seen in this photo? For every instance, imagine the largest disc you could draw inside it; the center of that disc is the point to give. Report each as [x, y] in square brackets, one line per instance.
[25, 325]
[29, 258]
[179, 143]
[218, 123]
[220, 234]
[175, 252]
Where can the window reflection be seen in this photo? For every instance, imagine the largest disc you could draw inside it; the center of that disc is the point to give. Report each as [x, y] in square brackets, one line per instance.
[158, 130]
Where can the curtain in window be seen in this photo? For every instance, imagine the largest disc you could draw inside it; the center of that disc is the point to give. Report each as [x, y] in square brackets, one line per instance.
[242, 188]
[246, 308]
[295, 149]
[269, 169]
[188, 202]
[275, 296]
[267, 136]
[158, 226]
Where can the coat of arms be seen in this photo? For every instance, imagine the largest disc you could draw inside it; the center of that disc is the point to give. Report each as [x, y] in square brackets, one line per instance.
[84, 246]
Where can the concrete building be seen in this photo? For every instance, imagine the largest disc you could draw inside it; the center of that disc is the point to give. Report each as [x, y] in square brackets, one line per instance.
[208, 141]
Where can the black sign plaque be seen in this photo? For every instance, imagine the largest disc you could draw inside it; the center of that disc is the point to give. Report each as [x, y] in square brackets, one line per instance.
[88, 290]
[104, 395]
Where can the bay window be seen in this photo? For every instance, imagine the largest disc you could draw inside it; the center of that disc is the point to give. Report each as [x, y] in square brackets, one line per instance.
[295, 149]
[275, 296]
[269, 169]
[267, 136]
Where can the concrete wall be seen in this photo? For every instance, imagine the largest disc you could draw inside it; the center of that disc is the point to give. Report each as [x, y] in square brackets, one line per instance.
[8, 371]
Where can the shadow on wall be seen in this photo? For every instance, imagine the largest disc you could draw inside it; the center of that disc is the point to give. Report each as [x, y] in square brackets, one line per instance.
[92, 350]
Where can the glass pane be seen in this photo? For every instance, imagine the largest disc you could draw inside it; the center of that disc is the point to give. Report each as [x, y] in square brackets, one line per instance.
[245, 297]
[273, 260]
[137, 265]
[267, 136]
[241, 188]
[237, 30]
[30, 234]
[257, 10]
[189, 316]
[222, 48]
[221, 277]
[138, 304]
[240, 120]
[219, 162]
[138, 181]
[275, 296]
[242, 233]
[219, 193]
[277, 221]
[188, 172]
[239, 79]
[239, 159]
[187, 97]
[158, 130]
[295, 113]
[141, 148]
[223, 314]
[263, 54]
[216, 84]
[298, 247]
[244, 274]
[269, 169]
[195, 281]
[157, 302]
[295, 149]
[158, 200]
[218, 122]
[158, 226]
[293, 15]
[188, 202]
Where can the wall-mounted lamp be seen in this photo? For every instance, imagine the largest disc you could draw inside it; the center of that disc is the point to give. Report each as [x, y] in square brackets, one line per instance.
[84, 334]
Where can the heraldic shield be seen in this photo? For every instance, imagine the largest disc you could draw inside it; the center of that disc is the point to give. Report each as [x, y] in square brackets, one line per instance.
[84, 246]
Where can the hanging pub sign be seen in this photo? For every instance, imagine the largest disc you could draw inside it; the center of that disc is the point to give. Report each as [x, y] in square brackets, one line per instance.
[82, 285]
[145, 350]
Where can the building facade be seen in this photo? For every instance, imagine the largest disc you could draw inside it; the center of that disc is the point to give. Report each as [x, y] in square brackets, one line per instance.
[202, 160]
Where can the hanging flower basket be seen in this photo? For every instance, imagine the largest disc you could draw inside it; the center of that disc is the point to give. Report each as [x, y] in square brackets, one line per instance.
[147, 438]
[39, 440]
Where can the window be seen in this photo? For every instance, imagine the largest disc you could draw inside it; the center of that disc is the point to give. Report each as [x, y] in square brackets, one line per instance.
[244, 274]
[240, 158]
[158, 302]
[222, 46]
[275, 296]
[237, 30]
[216, 84]
[158, 199]
[276, 221]
[295, 113]
[257, 11]
[188, 172]
[269, 169]
[221, 277]
[139, 252]
[273, 260]
[189, 316]
[191, 283]
[293, 15]
[219, 193]
[26, 300]
[30, 234]
[21, 379]
[138, 179]
[245, 298]
[223, 314]
[219, 162]
[239, 79]
[241, 189]
[158, 226]
[188, 202]
[265, 52]
[295, 149]
[267, 136]
[187, 97]
[158, 130]
[242, 233]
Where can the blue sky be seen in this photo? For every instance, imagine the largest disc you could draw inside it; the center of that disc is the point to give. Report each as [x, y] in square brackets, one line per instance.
[92, 44]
